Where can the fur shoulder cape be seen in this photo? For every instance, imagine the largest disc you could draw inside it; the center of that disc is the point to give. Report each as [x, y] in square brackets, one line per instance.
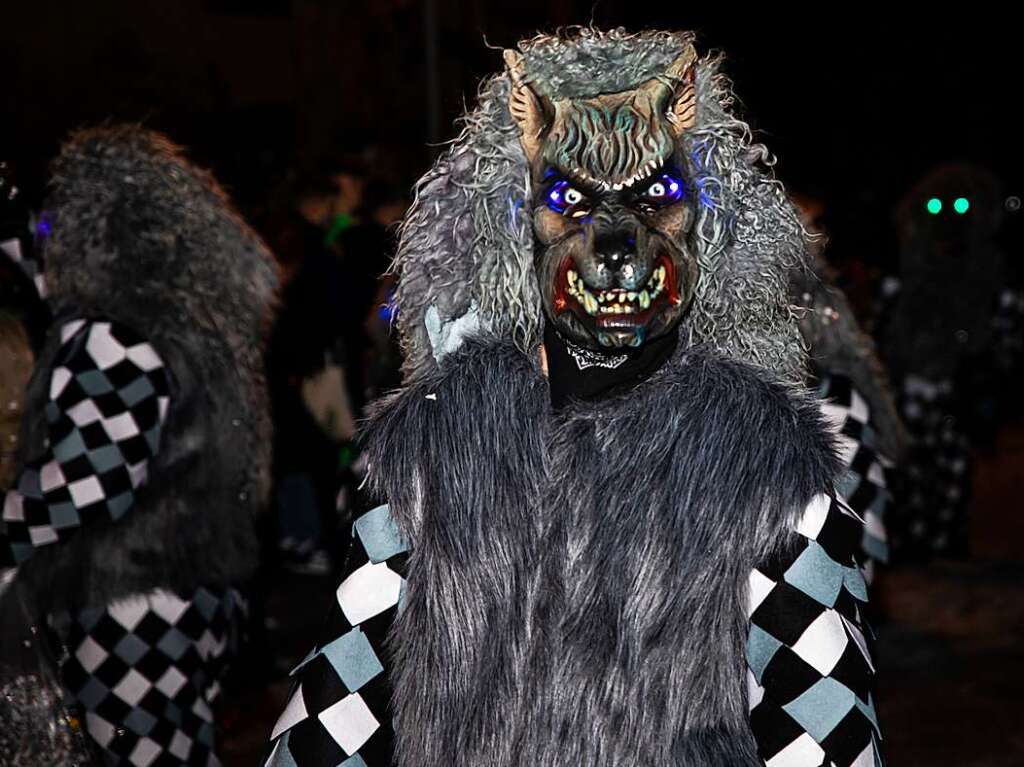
[578, 583]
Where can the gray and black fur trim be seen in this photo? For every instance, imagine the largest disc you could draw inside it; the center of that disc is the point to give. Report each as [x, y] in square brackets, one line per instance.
[577, 584]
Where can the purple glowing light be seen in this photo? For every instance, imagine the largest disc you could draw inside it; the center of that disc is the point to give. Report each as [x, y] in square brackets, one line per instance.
[667, 188]
[556, 199]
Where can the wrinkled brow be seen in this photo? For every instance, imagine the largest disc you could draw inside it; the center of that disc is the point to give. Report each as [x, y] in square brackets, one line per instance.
[610, 145]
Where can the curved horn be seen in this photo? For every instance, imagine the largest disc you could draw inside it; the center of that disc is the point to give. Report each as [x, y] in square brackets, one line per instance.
[675, 86]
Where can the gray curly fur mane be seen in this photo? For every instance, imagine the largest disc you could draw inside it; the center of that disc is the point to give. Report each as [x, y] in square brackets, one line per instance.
[466, 240]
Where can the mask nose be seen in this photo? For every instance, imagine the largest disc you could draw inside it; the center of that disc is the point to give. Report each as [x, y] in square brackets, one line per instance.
[615, 249]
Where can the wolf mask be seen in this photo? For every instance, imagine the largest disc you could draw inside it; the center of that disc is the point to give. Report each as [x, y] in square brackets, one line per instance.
[635, 134]
[612, 212]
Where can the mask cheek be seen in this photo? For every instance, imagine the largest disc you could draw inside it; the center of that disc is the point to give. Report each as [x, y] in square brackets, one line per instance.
[548, 226]
[674, 221]
[690, 273]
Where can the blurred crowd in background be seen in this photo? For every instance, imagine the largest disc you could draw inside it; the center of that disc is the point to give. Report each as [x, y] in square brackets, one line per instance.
[331, 348]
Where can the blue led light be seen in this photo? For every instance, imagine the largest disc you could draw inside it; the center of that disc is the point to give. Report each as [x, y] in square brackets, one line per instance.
[389, 309]
[667, 188]
[556, 197]
[517, 205]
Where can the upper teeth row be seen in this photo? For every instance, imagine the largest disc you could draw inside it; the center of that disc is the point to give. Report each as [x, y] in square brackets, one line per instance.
[616, 300]
[641, 174]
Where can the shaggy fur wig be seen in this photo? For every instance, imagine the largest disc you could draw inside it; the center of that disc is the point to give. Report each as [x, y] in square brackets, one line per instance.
[467, 244]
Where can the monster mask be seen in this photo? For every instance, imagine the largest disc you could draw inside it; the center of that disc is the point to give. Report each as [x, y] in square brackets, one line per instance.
[488, 244]
[613, 210]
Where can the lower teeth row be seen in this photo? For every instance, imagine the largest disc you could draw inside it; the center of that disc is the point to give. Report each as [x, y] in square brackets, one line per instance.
[616, 301]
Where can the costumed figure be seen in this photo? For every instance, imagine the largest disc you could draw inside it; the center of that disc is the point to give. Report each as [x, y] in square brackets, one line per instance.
[144, 451]
[846, 373]
[951, 330]
[611, 534]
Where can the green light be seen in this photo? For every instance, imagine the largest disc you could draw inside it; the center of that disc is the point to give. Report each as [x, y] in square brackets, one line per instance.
[961, 204]
[934, 206]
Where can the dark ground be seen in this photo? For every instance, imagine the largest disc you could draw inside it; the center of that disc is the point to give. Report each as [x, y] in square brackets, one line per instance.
[951, 654]
[950, 649]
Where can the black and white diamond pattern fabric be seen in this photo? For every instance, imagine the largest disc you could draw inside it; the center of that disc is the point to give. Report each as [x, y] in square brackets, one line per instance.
[145, 671]
[810, 672]
[339, 709]
[108, 401]
[863, 483]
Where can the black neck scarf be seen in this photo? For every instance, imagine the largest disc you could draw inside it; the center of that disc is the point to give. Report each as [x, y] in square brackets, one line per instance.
[575, 373]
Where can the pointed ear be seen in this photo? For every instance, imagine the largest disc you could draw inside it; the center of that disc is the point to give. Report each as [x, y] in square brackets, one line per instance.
[526, 107]
[673, 91]
[682, 111]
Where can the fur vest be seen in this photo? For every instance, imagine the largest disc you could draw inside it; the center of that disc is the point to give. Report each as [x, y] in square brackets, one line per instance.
[577, 587]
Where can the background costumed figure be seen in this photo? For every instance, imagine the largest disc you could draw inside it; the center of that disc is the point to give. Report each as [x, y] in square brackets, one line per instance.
[955, 370]
[144, 451]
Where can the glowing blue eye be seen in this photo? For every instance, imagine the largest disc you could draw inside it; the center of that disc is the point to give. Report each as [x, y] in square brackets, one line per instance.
[666, 189]
[562, 196]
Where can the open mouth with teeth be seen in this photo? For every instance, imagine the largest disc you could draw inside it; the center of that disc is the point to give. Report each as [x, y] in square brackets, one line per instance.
[617, 307]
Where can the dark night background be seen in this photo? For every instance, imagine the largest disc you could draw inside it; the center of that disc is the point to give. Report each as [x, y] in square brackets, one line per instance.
[855, 103]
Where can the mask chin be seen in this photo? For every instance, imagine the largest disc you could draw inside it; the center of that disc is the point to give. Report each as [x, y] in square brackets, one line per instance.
[622, 338]
[612, 340]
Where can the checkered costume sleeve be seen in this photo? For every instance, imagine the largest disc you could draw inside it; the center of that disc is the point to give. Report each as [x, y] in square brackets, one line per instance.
[810, 672]
[339, 709]
[107, 404]
[863, 483]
